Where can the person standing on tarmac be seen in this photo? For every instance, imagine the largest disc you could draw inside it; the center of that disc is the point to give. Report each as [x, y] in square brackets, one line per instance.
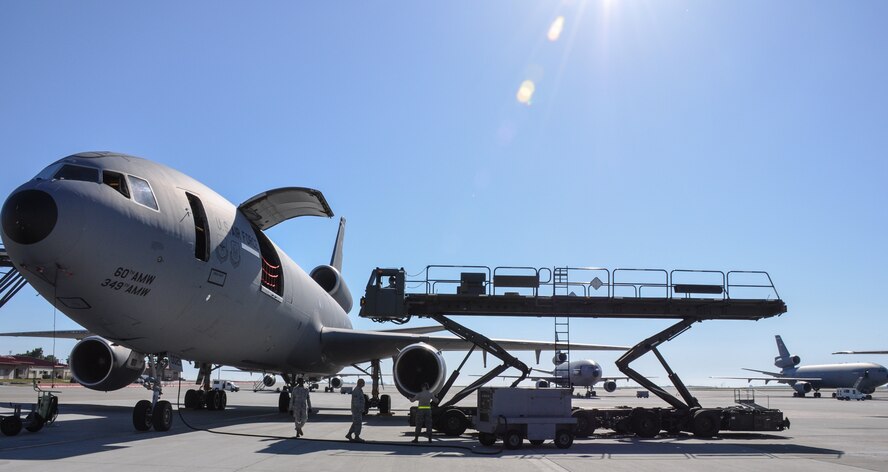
[299, 405]
[424, 411]
[357, 409]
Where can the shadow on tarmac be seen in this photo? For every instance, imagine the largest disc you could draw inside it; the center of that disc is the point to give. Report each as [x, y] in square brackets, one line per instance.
[90, 429]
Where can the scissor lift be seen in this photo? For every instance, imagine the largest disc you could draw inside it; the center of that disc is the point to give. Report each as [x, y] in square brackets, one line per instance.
[689, 296]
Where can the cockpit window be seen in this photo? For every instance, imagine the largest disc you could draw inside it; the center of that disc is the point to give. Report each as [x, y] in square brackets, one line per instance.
[116, 181]
[72, 172]
[142, 192]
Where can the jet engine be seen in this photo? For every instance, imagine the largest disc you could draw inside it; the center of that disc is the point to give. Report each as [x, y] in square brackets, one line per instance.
[784, 362]
[417, 364]
[331, 280]
[269, 380]
[98, 364]
[802, 387]
[610, 386]
[559, 358]
[336, 382]
[542, 384]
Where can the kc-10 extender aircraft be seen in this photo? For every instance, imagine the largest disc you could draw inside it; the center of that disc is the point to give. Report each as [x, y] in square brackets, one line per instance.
[156, 265]
[864, 376]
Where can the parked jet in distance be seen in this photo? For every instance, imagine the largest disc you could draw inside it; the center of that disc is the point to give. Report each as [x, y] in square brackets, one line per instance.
[863, 376]
[861, 352]
[580, 373]
[156, 265]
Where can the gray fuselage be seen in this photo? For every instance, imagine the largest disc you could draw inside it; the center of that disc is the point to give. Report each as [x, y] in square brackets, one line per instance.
[129, 273]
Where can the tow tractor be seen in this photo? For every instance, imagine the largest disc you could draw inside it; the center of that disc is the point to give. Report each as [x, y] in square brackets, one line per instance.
[689, 296]
[44, 412]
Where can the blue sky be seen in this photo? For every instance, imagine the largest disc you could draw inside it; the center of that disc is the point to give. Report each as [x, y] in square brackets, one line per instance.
[660, 134]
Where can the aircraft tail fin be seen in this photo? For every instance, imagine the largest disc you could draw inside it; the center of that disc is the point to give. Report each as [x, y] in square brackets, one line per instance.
[784, 360]
[336, 259]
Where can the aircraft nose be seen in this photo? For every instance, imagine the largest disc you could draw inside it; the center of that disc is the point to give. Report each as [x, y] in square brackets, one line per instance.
[29, 216]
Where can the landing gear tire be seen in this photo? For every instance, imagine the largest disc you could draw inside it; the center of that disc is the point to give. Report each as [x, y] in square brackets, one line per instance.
[816, 394]
[454, 423]
[162, 416]
[192, 399]
[142, 415]
[385, 404]
[11, 425]
[513, 439]
[563, 439]
[366, 405]
[486, 439]
[216, 400]
[284, 401]
[224, 399]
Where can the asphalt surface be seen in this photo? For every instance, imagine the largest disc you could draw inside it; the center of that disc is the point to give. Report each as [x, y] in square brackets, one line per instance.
[94, 432]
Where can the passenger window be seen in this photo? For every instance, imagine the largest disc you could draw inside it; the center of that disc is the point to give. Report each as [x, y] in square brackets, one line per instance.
[116, 181]
[201, 232]
[142, 192]
[70, 172]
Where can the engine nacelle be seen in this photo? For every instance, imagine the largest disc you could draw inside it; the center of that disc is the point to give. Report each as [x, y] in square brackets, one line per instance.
[784, 362]
[99, 365]
[331, 280]
[542, 384]
[802, 387]
[610, 386]
[417, 364]
[336, 382]
[559, 358]
[269, 380]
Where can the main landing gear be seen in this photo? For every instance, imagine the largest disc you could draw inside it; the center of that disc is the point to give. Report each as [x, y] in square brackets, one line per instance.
[205, 397]
[154, 413]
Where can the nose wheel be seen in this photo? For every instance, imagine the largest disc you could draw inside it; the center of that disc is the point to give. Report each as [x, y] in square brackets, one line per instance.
[154, 413]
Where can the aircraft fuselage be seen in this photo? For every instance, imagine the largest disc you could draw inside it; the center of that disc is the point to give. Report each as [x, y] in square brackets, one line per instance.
[132, 271]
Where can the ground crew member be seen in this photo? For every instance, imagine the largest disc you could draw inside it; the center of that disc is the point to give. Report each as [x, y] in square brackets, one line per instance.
[299, 405]
[357, 408]
[424, 411]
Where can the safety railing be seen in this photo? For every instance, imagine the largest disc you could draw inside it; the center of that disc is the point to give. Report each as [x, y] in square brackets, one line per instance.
[593, 282]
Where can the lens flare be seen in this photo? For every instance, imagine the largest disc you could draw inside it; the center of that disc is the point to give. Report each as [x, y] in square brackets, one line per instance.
[525, 92]
[555, 29]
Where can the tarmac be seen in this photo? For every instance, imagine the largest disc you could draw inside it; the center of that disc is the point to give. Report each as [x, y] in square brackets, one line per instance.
[94, 432]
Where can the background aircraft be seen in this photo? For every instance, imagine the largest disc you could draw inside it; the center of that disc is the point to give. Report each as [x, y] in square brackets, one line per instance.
[861, 352]
[580, 373]
[157, 266]
[863, 376]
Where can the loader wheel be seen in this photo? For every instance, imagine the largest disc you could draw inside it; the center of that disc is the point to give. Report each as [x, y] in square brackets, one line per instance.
[585, 428]
[645, 424]
[706, 423]
[513, 439]
[454, 423]
[487, 439]
[563, 439]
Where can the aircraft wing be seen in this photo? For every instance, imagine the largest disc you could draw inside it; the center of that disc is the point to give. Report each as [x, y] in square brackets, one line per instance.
[68, 334]
[861, 352]
[775, 376]
[351, 346]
